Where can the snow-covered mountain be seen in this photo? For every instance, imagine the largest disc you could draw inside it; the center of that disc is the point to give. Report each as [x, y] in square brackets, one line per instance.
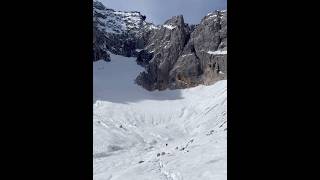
[175, 55]
[118, 32]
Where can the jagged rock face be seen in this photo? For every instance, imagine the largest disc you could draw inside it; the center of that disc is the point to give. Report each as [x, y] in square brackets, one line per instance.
[165, 46]
[175, 55]
[121, 33]
[181, 56]
[100, 50]
[204, 59]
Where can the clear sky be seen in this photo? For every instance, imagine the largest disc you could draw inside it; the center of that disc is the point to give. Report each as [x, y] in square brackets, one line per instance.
[158, 11]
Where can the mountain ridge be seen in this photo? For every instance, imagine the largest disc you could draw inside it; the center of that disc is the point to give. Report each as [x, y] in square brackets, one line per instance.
[175, 55]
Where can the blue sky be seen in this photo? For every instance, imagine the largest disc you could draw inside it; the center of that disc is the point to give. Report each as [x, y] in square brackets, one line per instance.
[158, 11]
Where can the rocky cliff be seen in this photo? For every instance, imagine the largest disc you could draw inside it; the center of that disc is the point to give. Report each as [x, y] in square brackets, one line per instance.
[204, 58]
[175, 55]
[121, 33]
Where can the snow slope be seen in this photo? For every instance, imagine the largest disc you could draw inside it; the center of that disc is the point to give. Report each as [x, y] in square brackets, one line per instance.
[132, 127]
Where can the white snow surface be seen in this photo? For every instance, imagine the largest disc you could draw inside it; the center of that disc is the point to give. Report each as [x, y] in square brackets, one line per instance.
[169, 26]
[219, 52]
[212, 16]
[131, 125]
[187, 55]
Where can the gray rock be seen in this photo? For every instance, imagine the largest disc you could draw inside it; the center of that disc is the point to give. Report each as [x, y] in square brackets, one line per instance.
[166, 44]
[100, 50]
[118, 32]
[186, 56]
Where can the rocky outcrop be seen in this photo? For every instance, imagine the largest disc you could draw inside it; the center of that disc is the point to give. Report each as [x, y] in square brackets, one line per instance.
[204, 58]
[100, 50]
[162, 53]
[118, 32]
[182, 56]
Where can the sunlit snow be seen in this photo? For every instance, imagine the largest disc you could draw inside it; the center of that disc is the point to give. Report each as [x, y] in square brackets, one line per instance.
[169, 135]
[169, 26]
[219, 52]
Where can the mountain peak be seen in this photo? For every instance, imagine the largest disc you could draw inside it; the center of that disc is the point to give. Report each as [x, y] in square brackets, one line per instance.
[119, 32]
[175, 54]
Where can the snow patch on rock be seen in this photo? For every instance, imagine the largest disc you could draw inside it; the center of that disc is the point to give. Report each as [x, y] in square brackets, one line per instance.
[169, 26]
[219, 52]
